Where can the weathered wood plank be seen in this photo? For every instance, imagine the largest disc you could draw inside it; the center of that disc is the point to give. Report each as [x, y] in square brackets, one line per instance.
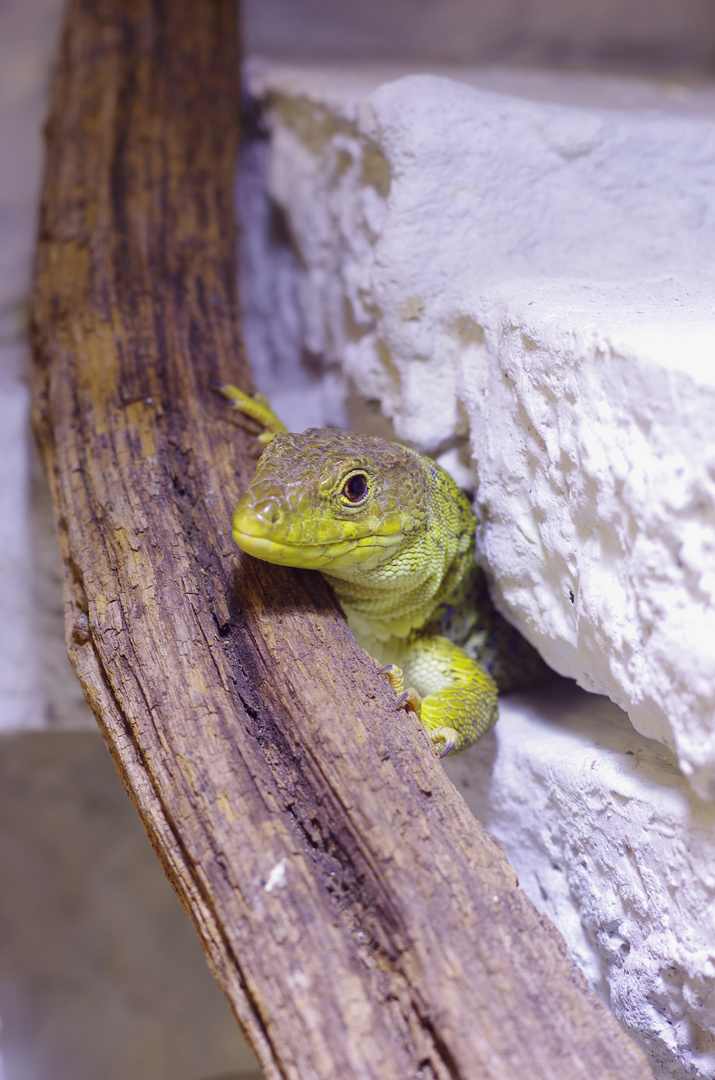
[358, 918]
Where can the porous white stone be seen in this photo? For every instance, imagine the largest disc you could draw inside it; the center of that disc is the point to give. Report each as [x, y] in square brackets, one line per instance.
[610, 842]
[598, 502]
[539, 274]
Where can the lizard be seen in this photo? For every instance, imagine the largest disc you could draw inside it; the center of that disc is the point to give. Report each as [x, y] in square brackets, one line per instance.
[395, 537]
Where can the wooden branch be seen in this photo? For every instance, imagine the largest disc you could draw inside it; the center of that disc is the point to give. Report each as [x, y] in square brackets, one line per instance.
[358, 918]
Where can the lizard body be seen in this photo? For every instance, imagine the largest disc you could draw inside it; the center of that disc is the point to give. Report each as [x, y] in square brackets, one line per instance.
[395, 537]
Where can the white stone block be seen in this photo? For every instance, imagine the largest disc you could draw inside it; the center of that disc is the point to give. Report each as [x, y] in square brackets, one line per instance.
[541, 274]
[609, 841]
[598, 500]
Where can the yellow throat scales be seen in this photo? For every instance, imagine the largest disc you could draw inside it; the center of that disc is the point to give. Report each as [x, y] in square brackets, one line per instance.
[394, 536]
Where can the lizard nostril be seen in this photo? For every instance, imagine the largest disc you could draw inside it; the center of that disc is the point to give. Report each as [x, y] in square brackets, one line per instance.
[256, 518]
[270, 511]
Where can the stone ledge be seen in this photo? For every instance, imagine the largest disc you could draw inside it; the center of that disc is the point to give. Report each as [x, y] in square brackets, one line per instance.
[533, 273]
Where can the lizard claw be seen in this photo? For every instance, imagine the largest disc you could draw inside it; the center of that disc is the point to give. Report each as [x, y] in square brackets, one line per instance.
[448, 736]
[393, 674]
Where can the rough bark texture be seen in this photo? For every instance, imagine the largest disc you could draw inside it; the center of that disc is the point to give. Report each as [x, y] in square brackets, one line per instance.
[358, 918]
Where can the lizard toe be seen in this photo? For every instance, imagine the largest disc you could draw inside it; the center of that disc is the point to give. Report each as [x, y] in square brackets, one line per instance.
[448, 735]
[411, 700]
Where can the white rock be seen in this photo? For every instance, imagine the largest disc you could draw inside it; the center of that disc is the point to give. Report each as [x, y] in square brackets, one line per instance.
[609, 841]
[541, 275]
[594, 416]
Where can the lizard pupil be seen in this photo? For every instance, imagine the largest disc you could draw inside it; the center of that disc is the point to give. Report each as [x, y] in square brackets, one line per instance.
[355, 487]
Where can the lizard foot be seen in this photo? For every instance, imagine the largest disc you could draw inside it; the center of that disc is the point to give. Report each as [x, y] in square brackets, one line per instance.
[443, 738]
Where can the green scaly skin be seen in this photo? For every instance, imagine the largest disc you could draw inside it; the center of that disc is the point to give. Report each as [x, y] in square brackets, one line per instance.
[400, 558]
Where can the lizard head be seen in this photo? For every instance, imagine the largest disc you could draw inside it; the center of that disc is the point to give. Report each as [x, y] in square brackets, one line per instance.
[332, 500]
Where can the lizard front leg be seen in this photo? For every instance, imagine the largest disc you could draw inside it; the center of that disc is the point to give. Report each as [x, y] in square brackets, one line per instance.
[453, 696]
[257, 407]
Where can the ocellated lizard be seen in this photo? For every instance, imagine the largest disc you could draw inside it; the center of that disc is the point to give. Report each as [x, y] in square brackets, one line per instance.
[395, 537]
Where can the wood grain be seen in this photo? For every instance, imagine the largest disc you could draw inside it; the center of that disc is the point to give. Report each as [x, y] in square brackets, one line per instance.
[358, 918]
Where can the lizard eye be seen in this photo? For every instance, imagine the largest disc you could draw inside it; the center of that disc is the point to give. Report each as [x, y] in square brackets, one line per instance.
[355, 487]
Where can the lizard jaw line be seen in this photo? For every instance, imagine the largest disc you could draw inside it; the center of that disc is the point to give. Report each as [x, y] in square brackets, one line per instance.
[309, 556]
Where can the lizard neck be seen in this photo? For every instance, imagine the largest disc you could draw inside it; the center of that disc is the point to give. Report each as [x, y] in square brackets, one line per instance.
[411, 588]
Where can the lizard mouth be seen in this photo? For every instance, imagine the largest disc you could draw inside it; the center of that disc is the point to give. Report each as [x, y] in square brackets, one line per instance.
[257, 535]
[332, 555]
